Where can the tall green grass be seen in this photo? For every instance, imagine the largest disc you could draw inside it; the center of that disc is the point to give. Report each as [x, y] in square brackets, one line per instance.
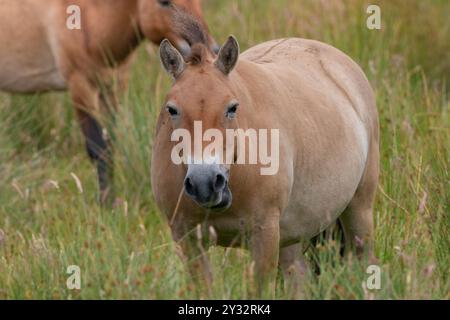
[47, 222]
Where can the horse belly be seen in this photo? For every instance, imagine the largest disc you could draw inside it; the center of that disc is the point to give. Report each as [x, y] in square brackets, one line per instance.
[323, 189]
[314, 209]
[16, 79]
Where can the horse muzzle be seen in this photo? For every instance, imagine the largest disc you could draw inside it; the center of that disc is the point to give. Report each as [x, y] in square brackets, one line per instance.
[207, 185]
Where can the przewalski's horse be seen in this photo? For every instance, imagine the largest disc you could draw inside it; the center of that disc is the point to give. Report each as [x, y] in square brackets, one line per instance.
[38, 52]
[324, 108]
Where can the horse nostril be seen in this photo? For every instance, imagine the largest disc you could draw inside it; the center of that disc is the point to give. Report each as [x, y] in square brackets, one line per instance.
[189, 187]
[219, 182]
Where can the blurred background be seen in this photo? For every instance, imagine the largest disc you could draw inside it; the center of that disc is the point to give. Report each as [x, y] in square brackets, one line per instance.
[48, 223]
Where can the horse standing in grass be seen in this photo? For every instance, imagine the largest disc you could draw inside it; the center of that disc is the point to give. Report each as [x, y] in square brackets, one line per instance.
[38, 53]
[325, 111]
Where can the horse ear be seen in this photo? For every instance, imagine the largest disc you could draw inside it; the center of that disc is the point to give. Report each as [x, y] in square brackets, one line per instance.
[228, 55]
[171, 59]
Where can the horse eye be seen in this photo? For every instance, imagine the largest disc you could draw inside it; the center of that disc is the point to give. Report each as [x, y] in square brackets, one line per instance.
[172, 111]
[231, 111]
[165, 3]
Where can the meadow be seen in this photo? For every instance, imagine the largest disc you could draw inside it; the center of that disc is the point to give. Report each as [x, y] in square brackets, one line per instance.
[50, 217]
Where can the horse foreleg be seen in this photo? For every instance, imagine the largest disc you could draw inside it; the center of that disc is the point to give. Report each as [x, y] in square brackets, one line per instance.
[265, 242]
[194, 245]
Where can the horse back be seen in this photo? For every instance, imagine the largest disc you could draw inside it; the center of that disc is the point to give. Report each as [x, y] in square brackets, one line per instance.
[318, 67]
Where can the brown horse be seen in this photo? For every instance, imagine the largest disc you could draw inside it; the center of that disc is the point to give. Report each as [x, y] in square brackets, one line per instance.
[324, 109]
[39, 52]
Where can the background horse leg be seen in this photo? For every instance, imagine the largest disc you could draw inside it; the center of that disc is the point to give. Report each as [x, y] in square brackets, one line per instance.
[85, 97]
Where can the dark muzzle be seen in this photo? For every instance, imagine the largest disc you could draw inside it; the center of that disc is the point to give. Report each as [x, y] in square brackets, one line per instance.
[207, 185]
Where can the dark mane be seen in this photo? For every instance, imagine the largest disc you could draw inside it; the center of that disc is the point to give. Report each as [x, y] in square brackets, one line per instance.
[198, 54]
[189, 28]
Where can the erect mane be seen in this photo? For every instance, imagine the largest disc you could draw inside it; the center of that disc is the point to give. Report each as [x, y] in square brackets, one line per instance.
[198, 54]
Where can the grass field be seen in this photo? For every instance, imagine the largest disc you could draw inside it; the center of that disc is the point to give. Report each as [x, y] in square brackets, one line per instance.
[48, 222]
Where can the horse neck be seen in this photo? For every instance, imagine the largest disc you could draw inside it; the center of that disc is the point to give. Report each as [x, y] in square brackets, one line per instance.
[111, 29]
